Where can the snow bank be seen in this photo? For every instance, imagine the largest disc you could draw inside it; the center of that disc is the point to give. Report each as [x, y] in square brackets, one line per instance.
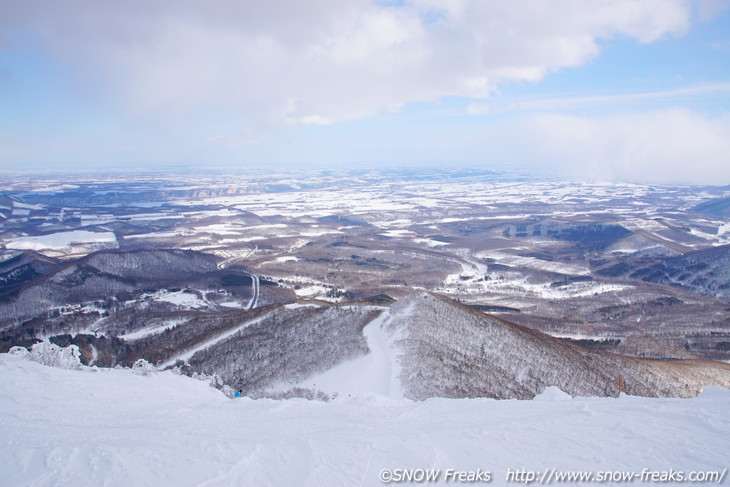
[115, 428]
[62, 427]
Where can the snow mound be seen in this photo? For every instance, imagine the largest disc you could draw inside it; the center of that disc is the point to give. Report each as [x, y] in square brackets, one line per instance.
[714, 392]
[553, 393]
[21, 351]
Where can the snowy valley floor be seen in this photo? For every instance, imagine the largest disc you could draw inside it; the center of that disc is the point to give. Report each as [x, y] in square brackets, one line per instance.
[112, 427]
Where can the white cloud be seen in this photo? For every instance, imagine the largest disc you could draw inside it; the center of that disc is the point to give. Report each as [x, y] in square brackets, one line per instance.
[320, 62]
[325, 61]
[565, 103]
[663, 146]
[477, 108]
[721, 45]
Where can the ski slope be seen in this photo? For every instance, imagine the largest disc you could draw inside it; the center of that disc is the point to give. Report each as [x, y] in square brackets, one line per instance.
[185, 356]
[376, 372]
[111, 427]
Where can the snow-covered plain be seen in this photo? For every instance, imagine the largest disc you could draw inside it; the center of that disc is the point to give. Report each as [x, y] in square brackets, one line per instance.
[113, 427]
[61, 240]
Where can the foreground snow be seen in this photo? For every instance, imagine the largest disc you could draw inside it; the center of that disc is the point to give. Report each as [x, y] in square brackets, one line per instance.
[114, 427]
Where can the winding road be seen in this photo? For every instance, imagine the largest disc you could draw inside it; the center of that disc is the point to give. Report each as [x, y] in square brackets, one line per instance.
[255, 284]
[254, 291]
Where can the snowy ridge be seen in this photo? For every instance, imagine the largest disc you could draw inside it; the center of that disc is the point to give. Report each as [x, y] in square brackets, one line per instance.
[445, 349]
[112, 427]
[429, 346]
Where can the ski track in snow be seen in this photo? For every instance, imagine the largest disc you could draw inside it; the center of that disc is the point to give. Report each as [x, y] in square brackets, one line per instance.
[152, 330]
[115, 428]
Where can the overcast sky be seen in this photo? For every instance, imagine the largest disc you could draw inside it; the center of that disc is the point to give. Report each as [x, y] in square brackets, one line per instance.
[629, 89]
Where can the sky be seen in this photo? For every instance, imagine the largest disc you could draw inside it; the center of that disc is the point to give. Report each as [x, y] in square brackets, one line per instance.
[635, 90]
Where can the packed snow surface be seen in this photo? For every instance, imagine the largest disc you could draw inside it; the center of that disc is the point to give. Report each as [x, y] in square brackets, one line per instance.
[116, 428]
